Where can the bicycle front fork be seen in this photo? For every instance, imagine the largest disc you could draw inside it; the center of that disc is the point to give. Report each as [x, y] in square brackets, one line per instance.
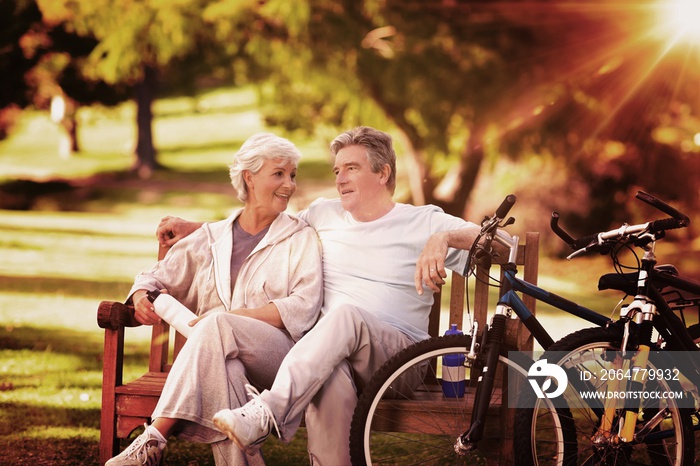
[626, 428]
[493, 342]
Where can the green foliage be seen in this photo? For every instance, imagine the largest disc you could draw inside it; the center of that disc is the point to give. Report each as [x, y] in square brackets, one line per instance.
[421, 66]
[461, 83]
[464, 82]
[44, 58]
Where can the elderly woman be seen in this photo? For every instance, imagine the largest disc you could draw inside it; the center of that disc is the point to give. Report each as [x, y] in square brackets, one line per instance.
[256, 281]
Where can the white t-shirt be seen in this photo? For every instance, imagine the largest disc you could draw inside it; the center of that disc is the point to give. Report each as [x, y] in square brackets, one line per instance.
[372, 264]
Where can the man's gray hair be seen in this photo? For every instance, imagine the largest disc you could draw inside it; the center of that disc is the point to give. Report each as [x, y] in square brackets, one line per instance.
[378, 148]
[252, 155]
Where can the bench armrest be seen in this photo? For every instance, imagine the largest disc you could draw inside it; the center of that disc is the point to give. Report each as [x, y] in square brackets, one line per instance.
[113, 315]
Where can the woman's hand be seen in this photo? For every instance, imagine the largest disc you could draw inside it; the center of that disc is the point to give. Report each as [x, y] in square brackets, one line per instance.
[267, 313]
[194, 322]
[144, 311]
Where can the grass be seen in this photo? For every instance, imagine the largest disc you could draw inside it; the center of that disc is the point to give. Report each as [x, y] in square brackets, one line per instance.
[74, 249]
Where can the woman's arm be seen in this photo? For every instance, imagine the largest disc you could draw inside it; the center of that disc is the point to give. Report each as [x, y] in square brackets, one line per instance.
[267, 313]
[300, 310]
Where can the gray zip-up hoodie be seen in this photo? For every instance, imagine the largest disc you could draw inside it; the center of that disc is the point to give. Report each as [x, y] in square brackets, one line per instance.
[284, 268]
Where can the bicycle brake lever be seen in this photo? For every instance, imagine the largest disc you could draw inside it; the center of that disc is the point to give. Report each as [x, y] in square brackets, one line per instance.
[576, 253]
[471, 356]
[581, 251]
[487, 225]
[604, 249]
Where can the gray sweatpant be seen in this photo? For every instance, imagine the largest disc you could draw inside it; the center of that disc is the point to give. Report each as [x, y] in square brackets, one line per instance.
[223, 353]
[321, 374]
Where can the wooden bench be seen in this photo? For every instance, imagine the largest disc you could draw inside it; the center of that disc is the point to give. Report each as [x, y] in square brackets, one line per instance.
[127, 406]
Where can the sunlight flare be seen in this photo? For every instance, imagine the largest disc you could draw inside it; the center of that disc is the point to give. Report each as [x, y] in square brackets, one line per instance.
[682, 18]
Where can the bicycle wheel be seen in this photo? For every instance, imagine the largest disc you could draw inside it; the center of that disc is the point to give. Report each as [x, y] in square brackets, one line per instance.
[694, 331]
[429, 423]
[670, 441]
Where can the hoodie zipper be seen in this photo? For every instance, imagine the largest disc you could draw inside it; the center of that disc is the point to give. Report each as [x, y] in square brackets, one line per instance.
[269, 247]
[214, 268]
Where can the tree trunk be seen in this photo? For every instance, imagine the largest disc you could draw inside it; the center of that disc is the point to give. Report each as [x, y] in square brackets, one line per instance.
[70, 124]
[454, 190]
[144, 94]
[422, 183]
[470, 166]
[419, 182]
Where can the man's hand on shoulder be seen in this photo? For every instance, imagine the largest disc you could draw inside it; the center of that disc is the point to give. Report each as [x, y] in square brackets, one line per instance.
[173, 229]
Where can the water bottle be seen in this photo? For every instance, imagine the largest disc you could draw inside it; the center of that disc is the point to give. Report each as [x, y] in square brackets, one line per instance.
[172, 311]
[453, 370]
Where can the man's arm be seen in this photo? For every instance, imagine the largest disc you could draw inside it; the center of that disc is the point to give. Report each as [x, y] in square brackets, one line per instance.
[430, 267]
[173, 229]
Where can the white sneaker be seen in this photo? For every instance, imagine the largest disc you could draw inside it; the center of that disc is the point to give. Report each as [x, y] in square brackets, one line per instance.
[145, 450]
[248, 426]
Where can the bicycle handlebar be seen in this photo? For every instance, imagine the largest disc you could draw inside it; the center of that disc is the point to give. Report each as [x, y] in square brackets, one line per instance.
[505, 206]
[554, 224]
[491, 224]
[599, 241]
[683, 219]
[667, 224]
[481, 248]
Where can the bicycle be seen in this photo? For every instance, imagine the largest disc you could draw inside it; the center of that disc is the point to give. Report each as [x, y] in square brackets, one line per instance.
[648, 431]
[459, 426]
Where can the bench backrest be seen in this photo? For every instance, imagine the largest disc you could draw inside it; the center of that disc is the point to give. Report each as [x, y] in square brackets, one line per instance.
[528, 260]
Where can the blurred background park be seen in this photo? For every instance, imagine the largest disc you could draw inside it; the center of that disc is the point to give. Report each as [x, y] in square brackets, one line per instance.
[114, 113]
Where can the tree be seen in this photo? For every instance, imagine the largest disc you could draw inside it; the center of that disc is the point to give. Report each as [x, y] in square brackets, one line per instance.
[628, 126]
[59, 74]
[444, 74]
[462, 82]
[16, 19]
[41, 60]
[135, 47]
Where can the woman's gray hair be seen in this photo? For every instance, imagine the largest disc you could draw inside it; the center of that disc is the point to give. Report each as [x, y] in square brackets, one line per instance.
[252, 155]
[378, 147]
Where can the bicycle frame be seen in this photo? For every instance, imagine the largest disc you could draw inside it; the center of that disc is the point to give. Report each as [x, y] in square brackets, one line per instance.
[509, 302]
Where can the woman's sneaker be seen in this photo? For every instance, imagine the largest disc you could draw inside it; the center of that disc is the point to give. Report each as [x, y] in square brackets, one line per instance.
[248, 426]
[145, 450]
